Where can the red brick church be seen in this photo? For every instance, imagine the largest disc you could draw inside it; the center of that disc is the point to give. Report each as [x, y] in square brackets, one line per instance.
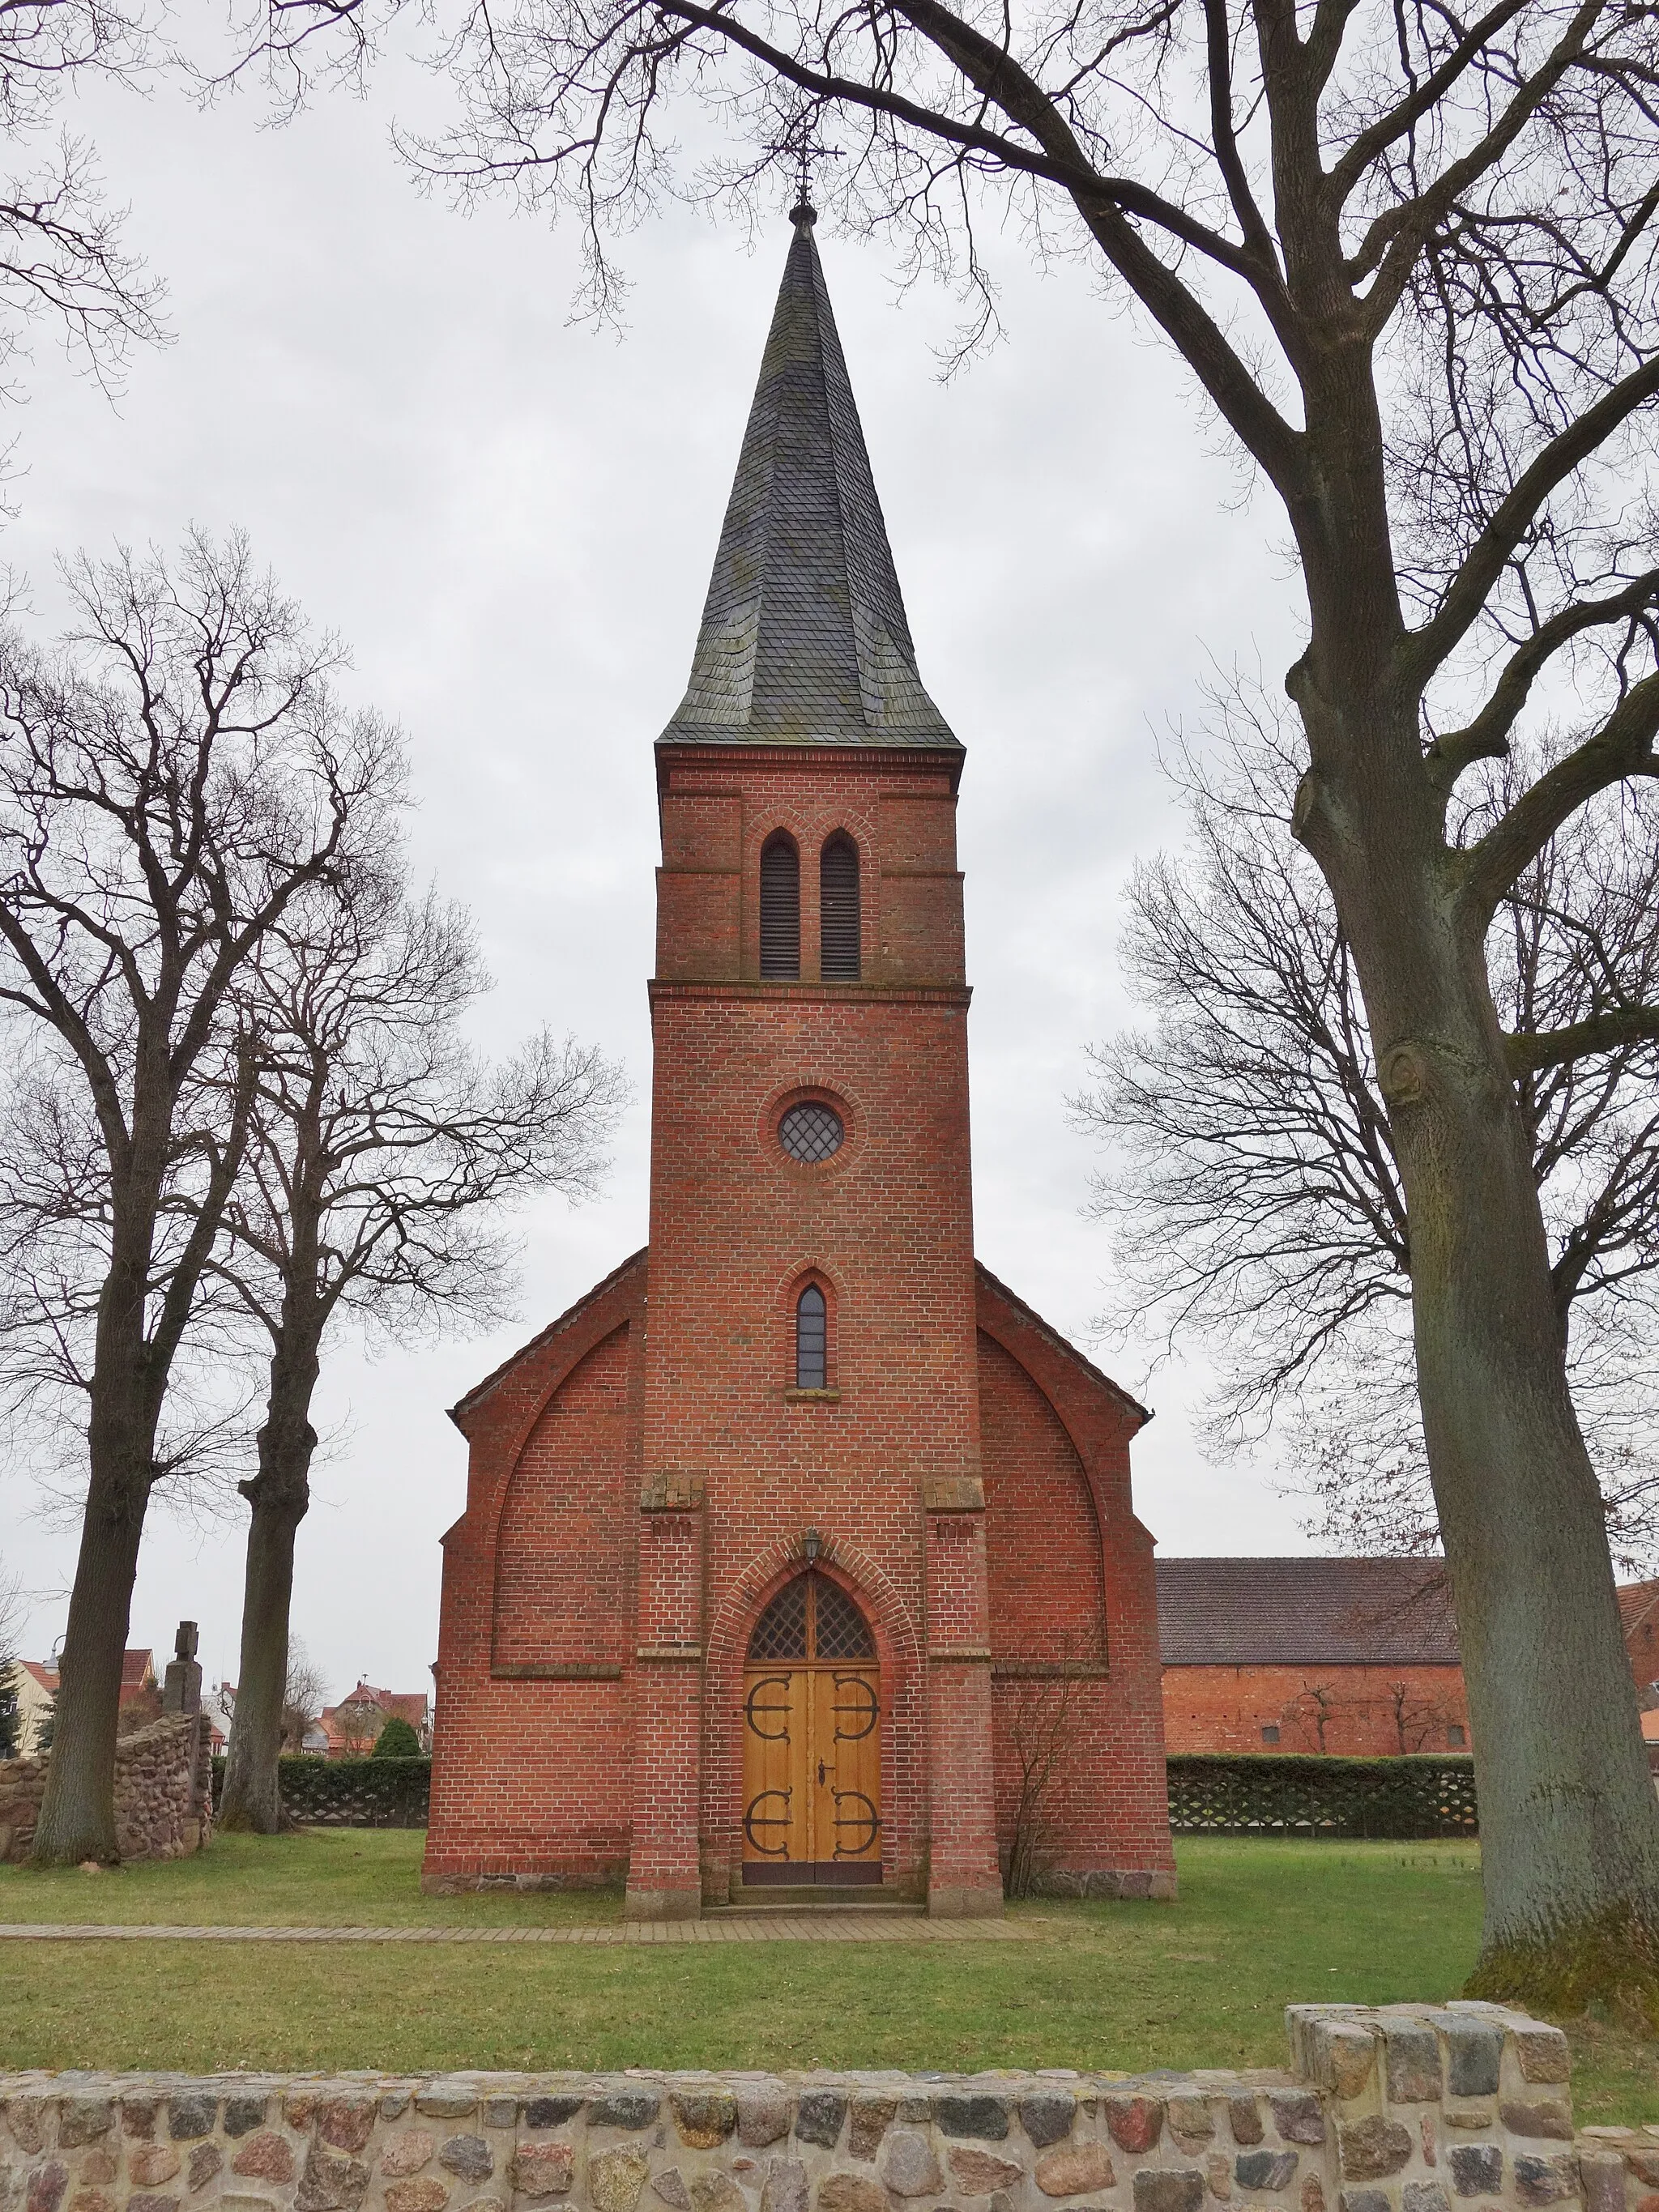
[800, 1550]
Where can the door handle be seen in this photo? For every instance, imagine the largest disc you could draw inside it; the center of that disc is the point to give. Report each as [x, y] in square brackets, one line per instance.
[820, 1774]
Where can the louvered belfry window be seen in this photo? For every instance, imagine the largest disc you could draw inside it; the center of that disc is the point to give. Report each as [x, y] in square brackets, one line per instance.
[838, 909]
[780, 908]
[811, 1340]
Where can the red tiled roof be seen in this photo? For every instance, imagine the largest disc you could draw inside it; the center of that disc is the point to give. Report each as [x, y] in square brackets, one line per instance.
[1637, 1600]
[409, 1705]
[137, 1670]
[1305, 1613]
[45, 1675]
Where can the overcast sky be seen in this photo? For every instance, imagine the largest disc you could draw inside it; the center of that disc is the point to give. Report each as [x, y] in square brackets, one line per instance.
[511, 521]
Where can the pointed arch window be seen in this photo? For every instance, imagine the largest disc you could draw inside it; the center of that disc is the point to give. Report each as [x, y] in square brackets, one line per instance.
[811, 1340]
[780, 908]
[838, 909]
[812, 1618]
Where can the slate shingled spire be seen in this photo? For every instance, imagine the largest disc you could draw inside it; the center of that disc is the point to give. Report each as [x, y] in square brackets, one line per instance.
[804, 640]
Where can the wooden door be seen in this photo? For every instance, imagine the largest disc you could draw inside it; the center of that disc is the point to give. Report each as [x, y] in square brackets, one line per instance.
[812, 1741]
[846, 1754]
[776, 1764]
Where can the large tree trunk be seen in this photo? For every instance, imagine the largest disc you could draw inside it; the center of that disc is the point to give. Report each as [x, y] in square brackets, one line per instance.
[129, 1376]
[1569, 1824]
[77, 1812]
[279, 1495]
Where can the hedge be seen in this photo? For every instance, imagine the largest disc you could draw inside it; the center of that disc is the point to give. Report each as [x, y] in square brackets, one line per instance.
[1213, 1793]
[350, 1793]
[1256, 1793]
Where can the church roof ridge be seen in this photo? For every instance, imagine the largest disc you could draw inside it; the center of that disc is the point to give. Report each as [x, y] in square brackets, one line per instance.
[804, 639]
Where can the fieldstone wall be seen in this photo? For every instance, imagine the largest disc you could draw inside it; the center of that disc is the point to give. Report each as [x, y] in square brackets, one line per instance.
[163, 1793]
[1405, 2109]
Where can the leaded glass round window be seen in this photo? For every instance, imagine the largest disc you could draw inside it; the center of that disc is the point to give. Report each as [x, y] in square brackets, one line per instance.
[811, 1132]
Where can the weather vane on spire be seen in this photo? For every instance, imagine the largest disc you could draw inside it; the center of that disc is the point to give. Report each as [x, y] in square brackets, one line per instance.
[803, 148]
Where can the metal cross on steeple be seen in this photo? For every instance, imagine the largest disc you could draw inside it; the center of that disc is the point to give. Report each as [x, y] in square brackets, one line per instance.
[804, 148]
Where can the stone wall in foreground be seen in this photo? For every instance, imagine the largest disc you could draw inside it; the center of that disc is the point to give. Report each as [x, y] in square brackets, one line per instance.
[163, 1794]
[1404, 2109]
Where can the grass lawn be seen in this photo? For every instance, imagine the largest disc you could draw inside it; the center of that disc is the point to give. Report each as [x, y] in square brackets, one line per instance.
[1201, 1982]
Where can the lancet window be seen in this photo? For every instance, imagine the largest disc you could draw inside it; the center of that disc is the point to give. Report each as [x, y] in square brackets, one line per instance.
[811, 1340]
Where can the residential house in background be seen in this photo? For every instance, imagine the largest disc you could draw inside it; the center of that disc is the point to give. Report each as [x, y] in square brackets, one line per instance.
[347, 1730]
[219, 1704]
[36, 1685]
[141, 1690]
[1638, 1610]
[1352, 1656]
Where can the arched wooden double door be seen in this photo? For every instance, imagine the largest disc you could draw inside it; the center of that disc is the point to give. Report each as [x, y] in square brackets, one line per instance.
[811, 1740]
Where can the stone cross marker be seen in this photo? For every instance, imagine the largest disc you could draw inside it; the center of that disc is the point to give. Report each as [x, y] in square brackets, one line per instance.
[181, 1688]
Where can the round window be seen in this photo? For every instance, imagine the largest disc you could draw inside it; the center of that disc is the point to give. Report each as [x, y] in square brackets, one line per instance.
[811, 1131]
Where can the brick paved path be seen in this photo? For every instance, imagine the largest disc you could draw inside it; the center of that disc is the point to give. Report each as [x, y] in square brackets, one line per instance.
[773, 1927]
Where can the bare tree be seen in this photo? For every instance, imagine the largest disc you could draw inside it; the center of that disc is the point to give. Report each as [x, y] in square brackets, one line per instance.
[1254, 1193]
[1415, 1718]
[359, 1721]
[62, 261]
[1407, 256]
[171, 777]
[1039, 1724]
[1311, 1713]
[384, 1154]
[305, 1693]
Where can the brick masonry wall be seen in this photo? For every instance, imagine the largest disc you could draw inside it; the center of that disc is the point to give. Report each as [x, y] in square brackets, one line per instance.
[163, 1793]
[1056, 1444]
[532, 1773]
[1401, 2109]
[1226, 1708]
[563, 1563]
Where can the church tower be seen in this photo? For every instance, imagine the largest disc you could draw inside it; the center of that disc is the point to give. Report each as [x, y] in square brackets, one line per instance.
[783, 1542]
[809, 1161]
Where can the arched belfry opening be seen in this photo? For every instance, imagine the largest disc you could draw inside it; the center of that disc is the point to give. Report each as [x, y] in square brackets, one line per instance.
[811, 1740]
[839, 948]
[780, 908]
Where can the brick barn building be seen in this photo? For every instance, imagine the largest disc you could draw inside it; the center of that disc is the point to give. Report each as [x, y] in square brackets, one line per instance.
[796, 1542]
[1356, 1657]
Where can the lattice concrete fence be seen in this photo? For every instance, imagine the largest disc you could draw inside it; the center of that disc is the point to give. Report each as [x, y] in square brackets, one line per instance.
[1403, 2109]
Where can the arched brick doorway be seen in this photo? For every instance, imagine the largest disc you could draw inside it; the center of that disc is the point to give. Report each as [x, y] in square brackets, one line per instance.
[811, 1740]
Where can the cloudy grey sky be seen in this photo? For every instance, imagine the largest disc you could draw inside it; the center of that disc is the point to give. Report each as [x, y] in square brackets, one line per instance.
[511, 521]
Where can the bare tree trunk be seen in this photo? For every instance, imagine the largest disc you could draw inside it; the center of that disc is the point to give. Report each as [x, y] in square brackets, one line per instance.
[77, 1812]
[1569, 1824]
[280, 1495]
[1569, 1829]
